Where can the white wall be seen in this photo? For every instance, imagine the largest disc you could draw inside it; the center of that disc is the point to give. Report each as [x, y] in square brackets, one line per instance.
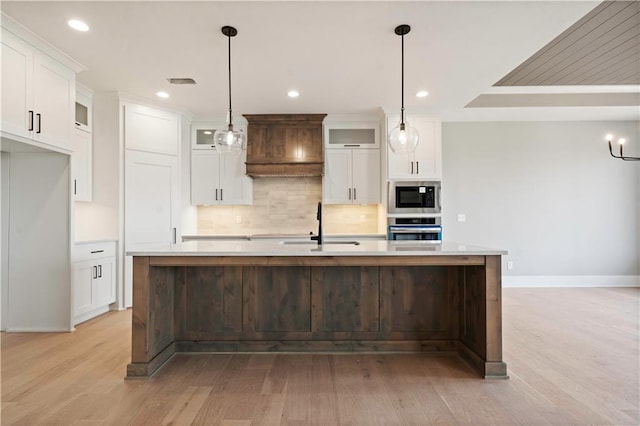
[549, 193]
[39, 276]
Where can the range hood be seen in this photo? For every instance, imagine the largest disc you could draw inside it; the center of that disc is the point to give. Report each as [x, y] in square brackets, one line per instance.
[284, 145]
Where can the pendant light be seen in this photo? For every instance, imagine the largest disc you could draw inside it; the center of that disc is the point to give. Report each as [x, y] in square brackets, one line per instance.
[403, 139]
[229, 140]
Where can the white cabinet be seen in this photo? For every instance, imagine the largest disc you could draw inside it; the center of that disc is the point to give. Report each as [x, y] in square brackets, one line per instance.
[426, 162]
[151, 130]
[81, 165]
[352, 176]
[93, 279]
[202, 133]
[351, 135]
[82, 146]
[220, 179]
[38, 94]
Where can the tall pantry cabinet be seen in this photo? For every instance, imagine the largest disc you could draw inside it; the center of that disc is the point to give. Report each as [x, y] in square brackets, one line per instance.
[136, 177]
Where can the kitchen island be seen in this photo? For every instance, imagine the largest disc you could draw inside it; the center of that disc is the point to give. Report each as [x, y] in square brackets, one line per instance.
[263, 296]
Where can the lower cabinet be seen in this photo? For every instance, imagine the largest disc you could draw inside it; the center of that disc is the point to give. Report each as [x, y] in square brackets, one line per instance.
[93, 278]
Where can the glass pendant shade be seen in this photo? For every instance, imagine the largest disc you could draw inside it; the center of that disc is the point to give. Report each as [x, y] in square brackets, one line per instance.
[403, 139]
[229, 141]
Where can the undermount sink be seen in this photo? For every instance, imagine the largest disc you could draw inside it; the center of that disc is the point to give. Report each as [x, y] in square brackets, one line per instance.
[355, 243]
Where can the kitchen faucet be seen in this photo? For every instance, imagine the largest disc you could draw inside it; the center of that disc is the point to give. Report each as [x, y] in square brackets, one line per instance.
[318, 237]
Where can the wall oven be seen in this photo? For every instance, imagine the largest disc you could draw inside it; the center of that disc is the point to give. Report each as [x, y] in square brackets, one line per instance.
[414, 197]
[415, 228]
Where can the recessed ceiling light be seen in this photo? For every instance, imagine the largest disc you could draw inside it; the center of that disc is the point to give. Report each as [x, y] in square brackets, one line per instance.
[162, 94]
[422, 94]
[293, 93]
[78, 25]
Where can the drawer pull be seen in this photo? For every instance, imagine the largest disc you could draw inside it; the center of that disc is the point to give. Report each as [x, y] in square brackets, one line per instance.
[96, 251]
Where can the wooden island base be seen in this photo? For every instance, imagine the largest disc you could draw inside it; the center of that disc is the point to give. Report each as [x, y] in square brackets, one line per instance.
[314, 304]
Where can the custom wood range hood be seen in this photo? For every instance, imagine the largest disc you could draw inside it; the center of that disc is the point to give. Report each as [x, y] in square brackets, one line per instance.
[284, 145]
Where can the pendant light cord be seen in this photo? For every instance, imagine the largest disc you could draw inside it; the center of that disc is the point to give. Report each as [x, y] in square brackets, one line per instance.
[402, 84]
[230, 117]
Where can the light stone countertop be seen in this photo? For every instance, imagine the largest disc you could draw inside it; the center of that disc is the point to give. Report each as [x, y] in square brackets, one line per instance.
[311, 248]
[199, 237]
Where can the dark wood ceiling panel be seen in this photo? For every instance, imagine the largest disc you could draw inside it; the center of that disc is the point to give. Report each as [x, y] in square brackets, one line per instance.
[602, 48]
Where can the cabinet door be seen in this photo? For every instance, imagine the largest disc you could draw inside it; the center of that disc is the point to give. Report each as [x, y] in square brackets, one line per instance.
[105, 284]
[151, 130]
[81, 165]
[54, 87]
[428, 157]
[205, 178]
[337, 177]
[17, 87]
[235, 186]
[83, 290]
[151, 205]
[366, 176]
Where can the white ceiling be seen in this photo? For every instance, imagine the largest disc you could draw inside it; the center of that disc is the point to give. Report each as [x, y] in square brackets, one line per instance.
[343, 57]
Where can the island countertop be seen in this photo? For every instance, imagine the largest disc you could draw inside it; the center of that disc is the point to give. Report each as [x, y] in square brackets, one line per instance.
[310, 248]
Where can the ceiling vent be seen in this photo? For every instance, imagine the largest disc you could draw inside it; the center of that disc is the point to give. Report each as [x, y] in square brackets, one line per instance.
[181, 81]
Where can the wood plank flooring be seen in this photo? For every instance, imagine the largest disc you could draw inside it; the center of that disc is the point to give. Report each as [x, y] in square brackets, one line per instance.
[572, 356]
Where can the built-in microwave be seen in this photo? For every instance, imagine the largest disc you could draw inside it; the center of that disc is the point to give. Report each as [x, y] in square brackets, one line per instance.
[414, 197]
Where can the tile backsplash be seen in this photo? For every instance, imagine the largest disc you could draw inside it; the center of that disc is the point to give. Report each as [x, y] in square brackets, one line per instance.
[288, 206]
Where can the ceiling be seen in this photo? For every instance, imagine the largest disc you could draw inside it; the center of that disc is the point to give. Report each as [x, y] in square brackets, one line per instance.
[343, 57]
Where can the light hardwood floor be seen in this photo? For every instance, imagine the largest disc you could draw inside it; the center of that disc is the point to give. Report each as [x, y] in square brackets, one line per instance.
[572, 356]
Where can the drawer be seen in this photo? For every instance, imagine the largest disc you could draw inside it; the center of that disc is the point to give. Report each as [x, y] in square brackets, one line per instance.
[93, 250]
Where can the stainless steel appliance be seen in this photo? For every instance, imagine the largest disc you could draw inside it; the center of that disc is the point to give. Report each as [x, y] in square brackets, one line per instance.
[414, 197]
[414, 228]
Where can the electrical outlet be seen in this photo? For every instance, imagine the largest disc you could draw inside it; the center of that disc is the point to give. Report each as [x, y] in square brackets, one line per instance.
[462, 217]
[238, 219]
[510, 264]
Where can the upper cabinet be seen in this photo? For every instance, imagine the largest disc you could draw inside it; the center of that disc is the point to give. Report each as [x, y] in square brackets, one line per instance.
[351, 135]
[220, 179]
[82, 145]
[38, 94]
[352, 163]
[352, 176]
[426, 162]
[151, 130]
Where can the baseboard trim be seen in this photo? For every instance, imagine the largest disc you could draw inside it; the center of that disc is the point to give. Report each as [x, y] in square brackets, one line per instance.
[570, 281]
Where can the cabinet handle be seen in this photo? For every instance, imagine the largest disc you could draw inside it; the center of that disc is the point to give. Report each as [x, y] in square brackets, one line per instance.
[417, 167]
[175, 235]
[39, 117]
[99, 271]
[95, 272]
[96, 251]
[355, 194]
[221, 197]
[352, 145]
[216, 194]
[30, 120]
[349, 193]
[75, 187]
[412, 167]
